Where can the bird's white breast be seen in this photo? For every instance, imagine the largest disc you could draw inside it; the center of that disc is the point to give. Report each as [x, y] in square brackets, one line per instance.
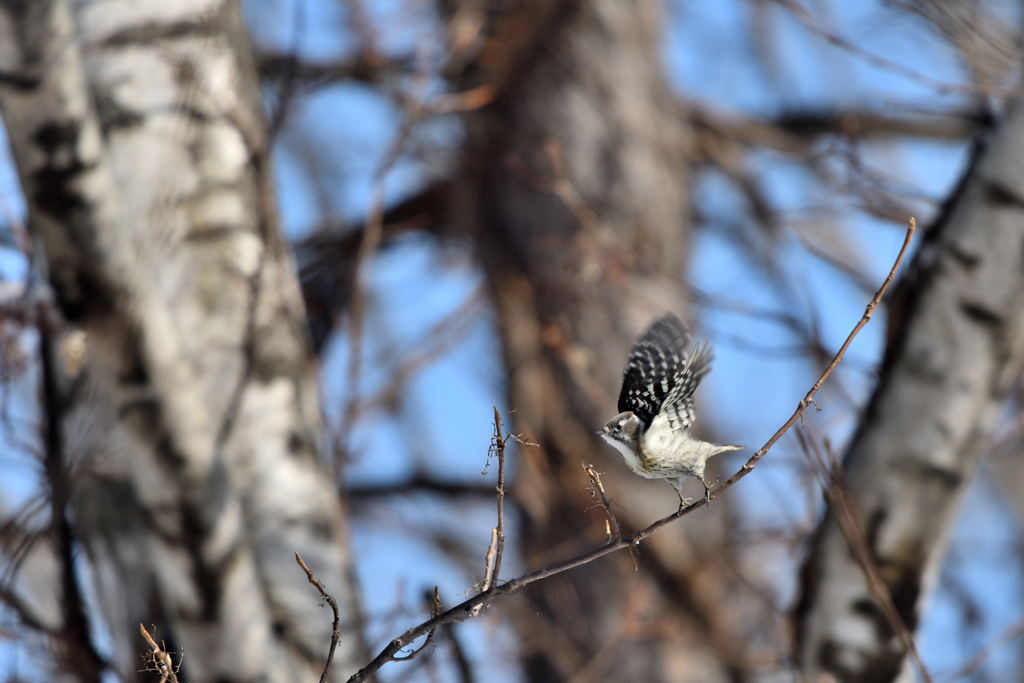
[633, 461]
[672, 450]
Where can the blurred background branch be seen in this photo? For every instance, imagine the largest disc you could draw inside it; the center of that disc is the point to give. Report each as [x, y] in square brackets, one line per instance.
[540, 179]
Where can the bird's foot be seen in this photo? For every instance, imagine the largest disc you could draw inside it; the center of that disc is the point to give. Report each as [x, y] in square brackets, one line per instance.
[707, 490]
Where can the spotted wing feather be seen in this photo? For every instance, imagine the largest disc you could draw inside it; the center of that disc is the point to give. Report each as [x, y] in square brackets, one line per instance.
[677, 407]
[656, 363]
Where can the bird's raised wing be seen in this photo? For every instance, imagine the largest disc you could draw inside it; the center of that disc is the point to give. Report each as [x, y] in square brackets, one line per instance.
[677, 408]
[656, 362]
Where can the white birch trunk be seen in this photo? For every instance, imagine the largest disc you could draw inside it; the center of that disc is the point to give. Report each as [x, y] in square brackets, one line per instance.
[958, 343]
[138, 138]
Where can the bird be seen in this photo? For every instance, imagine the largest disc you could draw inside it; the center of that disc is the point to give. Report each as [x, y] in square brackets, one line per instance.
[656, 408]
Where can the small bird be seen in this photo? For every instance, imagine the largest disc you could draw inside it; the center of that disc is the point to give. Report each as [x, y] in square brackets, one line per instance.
[652, 431]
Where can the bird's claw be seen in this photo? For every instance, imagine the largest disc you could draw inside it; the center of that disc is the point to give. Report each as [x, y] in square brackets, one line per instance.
[707, 490]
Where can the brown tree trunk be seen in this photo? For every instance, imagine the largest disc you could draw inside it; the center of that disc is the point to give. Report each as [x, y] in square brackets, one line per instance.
[576, 187]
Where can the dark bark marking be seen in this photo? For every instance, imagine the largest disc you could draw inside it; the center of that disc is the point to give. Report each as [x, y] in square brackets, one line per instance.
[981, 314]
[999, 193]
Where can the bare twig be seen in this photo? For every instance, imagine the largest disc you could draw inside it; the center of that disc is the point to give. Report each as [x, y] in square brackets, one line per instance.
[459, 657]
[434, 610]
[440, 339]
[368, 244]
[499, 491]
[290, 82]
[829, 473]
[312, 75]
[335, 628]
[75, 640]
[419, 482]
[978, 659]
[492, 560]
[792, 131]
[808, 398]
[160, 659]
[611, 524]
[327, 256]
[815, 25]
[472, 606]
[361, 27]
[24, 609]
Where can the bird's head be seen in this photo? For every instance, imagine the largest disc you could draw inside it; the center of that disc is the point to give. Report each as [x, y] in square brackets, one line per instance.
[624, 428]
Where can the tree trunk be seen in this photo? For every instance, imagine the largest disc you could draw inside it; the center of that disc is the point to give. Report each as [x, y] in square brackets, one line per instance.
[957, 343]
[195, 423]
[576, 187]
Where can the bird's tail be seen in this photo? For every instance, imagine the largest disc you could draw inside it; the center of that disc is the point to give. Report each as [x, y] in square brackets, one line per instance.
[726, 449]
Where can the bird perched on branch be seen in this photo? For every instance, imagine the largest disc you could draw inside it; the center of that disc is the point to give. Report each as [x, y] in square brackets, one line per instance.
[652, 431]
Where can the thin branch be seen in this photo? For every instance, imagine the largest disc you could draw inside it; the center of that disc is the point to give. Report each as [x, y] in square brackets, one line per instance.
[249, 342]
[815, 25]
[368, 243]
[830, 479]
[461, 660]
[434, 610]
[978, 659]
[492, 560]
[327, 597]
[792, 132]
[327, 256]
[472, 606]
[289, 82]
[808, 398]
[362, 67]
[75, 641]
[439, 340]
[499, 530]
[419, 482]
[160, 659]
[940, 125]
[611, 525]
[25, 609]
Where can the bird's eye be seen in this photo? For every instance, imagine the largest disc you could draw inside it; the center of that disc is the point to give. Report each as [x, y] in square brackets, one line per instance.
[618, 427]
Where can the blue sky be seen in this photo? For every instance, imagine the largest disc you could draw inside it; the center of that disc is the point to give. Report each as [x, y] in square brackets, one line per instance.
[459, 391]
